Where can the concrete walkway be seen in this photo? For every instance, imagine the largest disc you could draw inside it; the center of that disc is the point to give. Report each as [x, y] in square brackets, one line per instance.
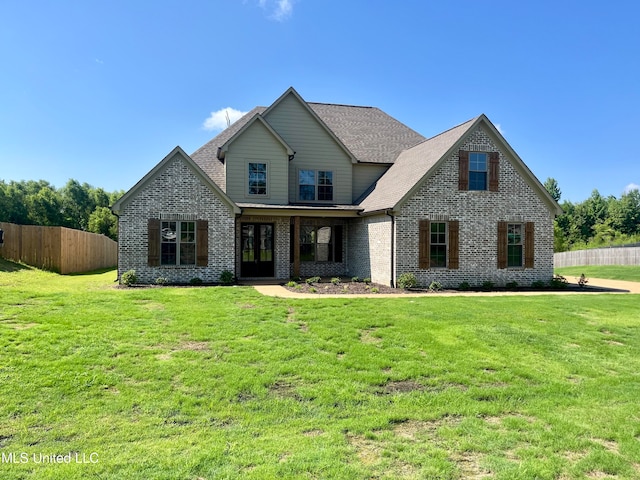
[595, 285]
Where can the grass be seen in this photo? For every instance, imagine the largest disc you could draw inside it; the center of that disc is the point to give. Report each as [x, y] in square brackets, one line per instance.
[223, 383]
[629, 273]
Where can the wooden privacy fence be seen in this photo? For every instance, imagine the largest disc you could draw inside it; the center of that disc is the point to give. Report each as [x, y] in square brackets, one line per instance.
[59, 249]
[598, 256]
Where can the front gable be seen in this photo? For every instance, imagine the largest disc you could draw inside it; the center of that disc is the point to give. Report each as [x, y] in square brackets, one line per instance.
[257, 147]
[316, 148]
[173, 169]
[449, 151]
[507, 175]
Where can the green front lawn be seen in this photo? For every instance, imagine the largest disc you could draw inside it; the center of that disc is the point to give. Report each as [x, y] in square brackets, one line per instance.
[223, 383]
[629, 273]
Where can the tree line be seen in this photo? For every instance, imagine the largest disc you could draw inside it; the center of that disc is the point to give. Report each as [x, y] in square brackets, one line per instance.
[597, 221]
[76, 205]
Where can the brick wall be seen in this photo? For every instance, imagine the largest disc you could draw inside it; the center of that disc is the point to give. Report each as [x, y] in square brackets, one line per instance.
[176, 190]
[369, 246]
[478, 213]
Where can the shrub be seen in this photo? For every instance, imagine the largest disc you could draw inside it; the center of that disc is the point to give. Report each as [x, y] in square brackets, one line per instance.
[464, 286]
[407, 280]
[435, 286]
[313, 289]
[355, 279]
[375, 290]
[291, 284]
[538, 284]
[512, 285]
[195, 281]
[226, 277]
[487, 285]
[335, 281]
[298, 287]
[366, 280]
[162, 281]
[558, 281]
[129, 278]
[311, 280]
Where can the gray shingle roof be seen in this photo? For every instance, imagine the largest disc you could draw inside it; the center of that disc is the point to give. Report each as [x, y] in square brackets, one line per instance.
[371, 136]
[410, 167]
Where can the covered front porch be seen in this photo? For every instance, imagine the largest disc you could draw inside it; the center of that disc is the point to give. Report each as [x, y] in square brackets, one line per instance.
[279, 243]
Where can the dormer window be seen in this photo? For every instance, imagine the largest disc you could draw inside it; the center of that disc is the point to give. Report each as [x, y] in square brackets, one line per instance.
[315, 185]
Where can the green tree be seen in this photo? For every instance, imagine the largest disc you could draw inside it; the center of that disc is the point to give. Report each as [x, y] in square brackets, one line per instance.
[552, 187]
[624, 214]
[559, 242]
[103, 221]
[44, 207]
[77, 204]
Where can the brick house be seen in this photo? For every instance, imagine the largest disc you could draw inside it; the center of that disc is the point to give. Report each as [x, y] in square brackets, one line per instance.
[305, 189]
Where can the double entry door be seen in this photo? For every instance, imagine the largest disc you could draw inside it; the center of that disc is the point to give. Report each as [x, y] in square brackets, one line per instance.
[257, 250]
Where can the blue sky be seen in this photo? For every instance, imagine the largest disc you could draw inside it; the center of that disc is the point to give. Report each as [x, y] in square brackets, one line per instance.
[102, 91]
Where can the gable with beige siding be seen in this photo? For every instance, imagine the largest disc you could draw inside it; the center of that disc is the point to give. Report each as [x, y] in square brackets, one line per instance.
[315, 148]
[257, 145]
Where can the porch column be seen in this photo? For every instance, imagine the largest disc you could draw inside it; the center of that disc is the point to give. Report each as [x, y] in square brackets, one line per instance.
[296, 246]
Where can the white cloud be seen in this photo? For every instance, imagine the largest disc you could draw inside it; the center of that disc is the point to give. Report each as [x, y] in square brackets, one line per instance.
[631, 186]
[499, 128]
[284, 10]
[222, 119]
[280, 10]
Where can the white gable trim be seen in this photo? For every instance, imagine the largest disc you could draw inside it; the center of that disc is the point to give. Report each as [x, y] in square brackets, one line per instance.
[155, 171]
[291, 91]
[256, 118]
[519, 165]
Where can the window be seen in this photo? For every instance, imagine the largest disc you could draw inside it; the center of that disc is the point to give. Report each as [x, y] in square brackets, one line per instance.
[514, 245]
[319, 243]
[439, 244]
[477, 171]
[315, 185]
[257, 178]
[178, 243]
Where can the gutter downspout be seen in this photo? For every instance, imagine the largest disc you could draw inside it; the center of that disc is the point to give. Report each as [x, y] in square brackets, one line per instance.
[392, 282]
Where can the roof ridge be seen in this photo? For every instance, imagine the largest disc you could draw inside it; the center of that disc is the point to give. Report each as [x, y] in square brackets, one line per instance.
[341, 105]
